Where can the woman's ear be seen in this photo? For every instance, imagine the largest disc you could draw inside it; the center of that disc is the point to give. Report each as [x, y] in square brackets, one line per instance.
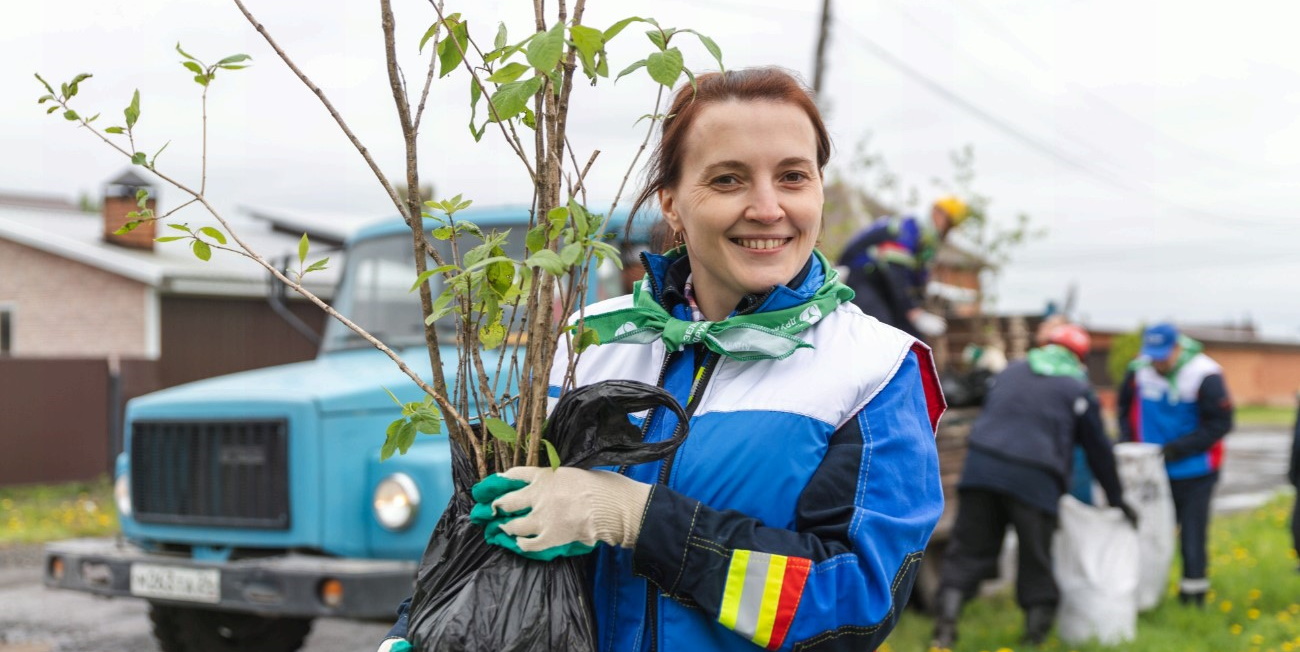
[668, 207]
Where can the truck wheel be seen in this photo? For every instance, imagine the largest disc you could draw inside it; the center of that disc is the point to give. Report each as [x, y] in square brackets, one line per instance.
[189, 629]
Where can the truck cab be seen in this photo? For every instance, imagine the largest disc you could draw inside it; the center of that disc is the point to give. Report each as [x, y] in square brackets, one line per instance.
[252, 503]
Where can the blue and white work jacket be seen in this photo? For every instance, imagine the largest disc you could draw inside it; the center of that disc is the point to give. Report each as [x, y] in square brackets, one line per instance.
[795, 514]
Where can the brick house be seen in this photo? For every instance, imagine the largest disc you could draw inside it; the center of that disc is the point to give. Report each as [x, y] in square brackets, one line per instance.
[89, 319]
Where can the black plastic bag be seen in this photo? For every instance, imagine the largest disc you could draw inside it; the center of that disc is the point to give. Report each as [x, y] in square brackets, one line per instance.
[472, 596]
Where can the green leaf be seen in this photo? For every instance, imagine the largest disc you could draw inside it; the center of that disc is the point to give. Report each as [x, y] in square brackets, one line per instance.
[443, 233]
[92, 118]
[193, 67]
[70, 114]
[618, 27]
[390, 439]
[711, 47]
[72, 86]
[318, 265]
[46, 98]
[44, 83]
[581, 221]
[183, 53]
[52, 109]
[234, 58]
[587, 338]
[536, 238]
[451, 50]
[202, 80]
[405, 437]
[138, 158]
[570, 253]
[501, 274]
[552, 455]
[508, 73]
[428, 34]
[547, 260]
[128, 227]
[169, 238]
[511, 98]
[426, 274]
[529, 119]
[589, 41]
[132, 111]
[180, 227]
[500, 41]
[545, 50]
[665, 67]
[303, 246]
[631, 69]
[114, 130]
[214, 234]
[491, 335]
[501, 430]
[658, 37]
[201, 250]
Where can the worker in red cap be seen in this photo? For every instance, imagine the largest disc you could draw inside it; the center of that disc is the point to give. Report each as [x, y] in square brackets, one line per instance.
[1017, 468]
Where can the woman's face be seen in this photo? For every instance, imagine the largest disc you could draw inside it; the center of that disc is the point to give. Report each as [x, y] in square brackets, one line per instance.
[748, 202]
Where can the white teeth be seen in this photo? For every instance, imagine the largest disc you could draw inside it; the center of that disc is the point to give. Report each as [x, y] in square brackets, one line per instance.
[768, 243]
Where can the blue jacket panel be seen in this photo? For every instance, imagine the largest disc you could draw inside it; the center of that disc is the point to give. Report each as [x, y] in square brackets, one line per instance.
[1187, 413]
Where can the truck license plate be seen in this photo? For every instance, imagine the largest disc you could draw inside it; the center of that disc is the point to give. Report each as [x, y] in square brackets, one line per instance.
[172, 583]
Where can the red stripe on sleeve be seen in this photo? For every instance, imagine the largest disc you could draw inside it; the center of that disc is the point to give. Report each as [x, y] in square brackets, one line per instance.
[796, 573]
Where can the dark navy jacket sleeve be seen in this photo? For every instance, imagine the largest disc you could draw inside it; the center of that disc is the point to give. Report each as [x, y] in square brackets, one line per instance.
[840, 579]
[1214, 407]
[400, 627]
[1127, 395]
[1101, 458]
[1294, 472]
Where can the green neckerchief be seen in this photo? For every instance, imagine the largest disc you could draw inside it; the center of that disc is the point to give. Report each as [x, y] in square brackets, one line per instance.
[1055, 360]
[756, 336]
[1188, 348]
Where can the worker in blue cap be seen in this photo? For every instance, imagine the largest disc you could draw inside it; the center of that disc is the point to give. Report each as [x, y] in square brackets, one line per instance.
[1174, 395]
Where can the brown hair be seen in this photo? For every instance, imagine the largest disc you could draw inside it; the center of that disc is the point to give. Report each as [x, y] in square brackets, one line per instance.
[766, 84]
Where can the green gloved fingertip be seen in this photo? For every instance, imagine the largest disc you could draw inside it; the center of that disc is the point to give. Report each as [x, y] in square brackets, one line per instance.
[401, 646]
[493, 487]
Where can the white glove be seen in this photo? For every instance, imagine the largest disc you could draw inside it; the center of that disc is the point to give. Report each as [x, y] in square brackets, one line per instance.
[929, 323]
[388, 644]
[573, 505]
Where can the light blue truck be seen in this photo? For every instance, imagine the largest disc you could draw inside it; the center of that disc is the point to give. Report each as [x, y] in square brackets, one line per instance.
[254, 502]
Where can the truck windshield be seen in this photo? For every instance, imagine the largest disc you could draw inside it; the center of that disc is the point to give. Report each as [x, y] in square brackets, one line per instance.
[375, 292]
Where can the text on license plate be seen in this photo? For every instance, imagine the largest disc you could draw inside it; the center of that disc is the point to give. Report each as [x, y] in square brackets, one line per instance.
[170, 582]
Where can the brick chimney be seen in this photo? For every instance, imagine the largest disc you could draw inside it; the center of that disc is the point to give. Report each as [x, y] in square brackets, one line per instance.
[119, 200]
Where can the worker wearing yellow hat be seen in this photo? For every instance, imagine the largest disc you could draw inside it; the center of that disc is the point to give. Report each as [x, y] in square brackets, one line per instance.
[888, 265]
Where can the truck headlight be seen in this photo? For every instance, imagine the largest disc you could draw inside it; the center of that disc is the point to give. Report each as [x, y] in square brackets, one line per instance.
[122, 495]
[397, 501]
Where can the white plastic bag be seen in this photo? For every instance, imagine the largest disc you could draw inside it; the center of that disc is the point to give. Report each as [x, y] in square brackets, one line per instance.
[1146, 489]
[1095, 555]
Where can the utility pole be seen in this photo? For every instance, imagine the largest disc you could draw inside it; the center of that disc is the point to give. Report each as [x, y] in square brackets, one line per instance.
[819, 63]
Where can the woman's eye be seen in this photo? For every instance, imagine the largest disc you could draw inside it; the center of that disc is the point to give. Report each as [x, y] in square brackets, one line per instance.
[794, 176]
[726, 180]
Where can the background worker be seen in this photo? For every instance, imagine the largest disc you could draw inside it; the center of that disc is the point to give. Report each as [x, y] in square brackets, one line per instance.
[1174, 395]
[1017, 468]
[889, 266]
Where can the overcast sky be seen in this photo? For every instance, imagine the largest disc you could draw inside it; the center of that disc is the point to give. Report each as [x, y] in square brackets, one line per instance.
[1157, 143]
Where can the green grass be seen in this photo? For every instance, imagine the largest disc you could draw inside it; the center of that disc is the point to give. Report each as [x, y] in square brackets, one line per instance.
[1253, 607]
[39, 513]
[1265, 415]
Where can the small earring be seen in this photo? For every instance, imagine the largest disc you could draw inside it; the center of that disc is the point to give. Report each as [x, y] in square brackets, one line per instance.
[679, 239]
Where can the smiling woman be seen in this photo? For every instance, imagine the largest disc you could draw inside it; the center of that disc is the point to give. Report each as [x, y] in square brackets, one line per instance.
[797, 508]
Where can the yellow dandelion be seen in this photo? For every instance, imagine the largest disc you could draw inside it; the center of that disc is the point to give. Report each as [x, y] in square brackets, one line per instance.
[1283, 617]
[1252, 614]
[1005, 649]
[1257, 640]
[1287, 647]
[1239, 553]
[1225, 606]
[1253, 595]
[1235, 629]
[1295, 610]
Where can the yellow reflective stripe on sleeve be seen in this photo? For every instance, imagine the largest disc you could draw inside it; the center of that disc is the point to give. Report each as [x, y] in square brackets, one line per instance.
[735, 587]
[771, 597]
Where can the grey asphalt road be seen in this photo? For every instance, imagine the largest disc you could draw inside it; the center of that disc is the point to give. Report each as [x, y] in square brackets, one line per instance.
[36, 619]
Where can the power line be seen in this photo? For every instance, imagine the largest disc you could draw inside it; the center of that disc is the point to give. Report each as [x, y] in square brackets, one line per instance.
[1042, 148]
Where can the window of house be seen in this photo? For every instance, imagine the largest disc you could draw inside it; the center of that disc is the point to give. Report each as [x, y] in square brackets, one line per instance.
[6, 330]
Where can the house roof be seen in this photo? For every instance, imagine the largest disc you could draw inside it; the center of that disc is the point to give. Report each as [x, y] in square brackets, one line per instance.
[171, 267]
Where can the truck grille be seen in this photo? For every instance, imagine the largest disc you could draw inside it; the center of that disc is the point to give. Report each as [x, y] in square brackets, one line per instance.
[220, 473]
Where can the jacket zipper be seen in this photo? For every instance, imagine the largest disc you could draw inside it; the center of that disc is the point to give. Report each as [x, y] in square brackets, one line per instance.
[697, 390]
